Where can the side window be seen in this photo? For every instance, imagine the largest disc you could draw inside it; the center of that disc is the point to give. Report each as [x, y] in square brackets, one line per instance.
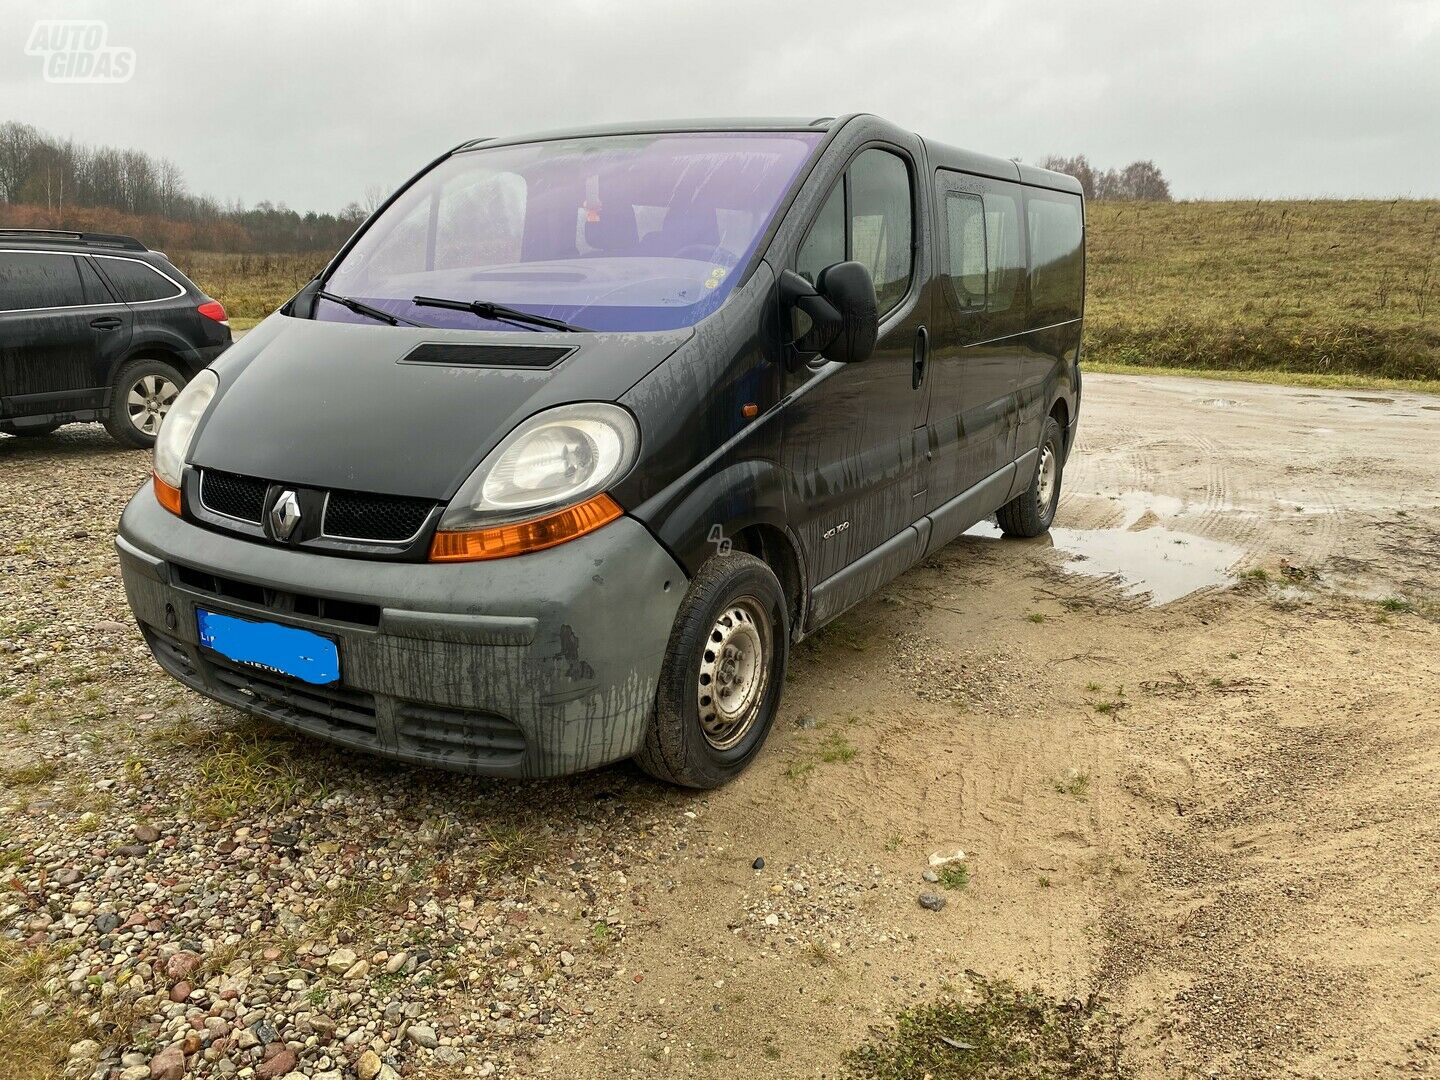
[824, 245]
[965, 229]
[96, 292]
[881, 223]
[38, 280]
[135, 282]
[1057, 268]
[1002, 249]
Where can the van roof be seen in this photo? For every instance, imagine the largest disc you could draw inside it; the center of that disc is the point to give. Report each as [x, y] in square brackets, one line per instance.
[657, 127]
[941, 155]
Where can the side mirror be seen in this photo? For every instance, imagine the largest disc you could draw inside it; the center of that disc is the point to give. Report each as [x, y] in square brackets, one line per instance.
[841, 306]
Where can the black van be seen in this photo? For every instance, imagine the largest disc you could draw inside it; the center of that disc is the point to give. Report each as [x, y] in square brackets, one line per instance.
[580, 431]
[95, 326]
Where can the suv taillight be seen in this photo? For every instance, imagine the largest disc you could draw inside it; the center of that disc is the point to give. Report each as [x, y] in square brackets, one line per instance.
[213, 309]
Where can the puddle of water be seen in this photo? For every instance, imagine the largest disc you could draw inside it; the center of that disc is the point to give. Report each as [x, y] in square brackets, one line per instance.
[1159, 562]
[1141, 559]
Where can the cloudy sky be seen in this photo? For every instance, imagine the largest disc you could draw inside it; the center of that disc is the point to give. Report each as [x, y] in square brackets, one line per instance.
[314, 103]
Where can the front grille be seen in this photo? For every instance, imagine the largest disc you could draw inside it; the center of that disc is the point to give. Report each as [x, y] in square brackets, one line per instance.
[348, 515]
[351, 515]
[296, 703]
[277, 600]
[234, 496]
[457, 732]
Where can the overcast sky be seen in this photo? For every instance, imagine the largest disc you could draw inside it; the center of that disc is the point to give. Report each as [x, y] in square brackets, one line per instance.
[313, 103]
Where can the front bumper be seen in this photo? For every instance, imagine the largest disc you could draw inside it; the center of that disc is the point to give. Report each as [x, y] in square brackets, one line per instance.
[538, 665]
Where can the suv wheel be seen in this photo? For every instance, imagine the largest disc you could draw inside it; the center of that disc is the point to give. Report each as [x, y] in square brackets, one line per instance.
[723, 672]
[139, 399]
[28, 427]
[1031, 512]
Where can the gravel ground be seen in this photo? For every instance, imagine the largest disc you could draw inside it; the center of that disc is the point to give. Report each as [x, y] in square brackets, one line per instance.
[216, 896]
[188, 893]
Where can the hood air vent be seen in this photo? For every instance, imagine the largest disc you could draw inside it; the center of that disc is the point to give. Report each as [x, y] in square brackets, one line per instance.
[489, 356]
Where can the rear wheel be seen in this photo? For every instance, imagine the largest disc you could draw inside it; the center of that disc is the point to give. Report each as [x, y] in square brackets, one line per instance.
[1031, 512]
[723, 672]
[30, 428]
[140, 397]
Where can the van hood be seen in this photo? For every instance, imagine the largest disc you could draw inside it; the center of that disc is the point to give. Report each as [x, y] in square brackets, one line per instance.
[344, 405]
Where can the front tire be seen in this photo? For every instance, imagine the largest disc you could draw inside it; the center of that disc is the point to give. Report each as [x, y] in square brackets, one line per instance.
[140, 396]
[722, 676]
[1031, 512]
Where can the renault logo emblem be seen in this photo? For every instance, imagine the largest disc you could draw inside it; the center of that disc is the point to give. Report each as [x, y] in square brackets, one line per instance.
[285, 516]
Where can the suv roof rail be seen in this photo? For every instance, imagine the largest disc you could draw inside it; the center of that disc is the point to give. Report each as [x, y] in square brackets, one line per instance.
[115, 240]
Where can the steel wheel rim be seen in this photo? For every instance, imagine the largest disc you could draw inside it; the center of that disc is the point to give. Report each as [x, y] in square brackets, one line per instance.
[1045, 477]
[148, 401]
[734, 673]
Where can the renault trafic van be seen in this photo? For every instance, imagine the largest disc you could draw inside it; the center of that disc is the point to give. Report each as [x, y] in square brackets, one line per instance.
[572, 440]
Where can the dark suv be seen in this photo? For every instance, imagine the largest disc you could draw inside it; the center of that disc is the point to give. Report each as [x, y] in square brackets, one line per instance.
[97, 327]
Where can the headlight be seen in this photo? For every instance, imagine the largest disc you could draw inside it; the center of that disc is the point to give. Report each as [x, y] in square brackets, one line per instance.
[555, 459]
[172, 445]
[544, 485]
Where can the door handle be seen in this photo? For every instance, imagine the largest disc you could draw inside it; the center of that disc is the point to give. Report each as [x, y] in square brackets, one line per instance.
[919, 358]
[106, 322]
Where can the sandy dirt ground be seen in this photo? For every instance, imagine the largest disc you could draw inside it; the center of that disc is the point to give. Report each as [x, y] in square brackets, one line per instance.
[1189, 744]
[1220, 812]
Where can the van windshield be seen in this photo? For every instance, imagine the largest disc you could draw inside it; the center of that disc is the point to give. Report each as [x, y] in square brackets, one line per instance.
[630, 232]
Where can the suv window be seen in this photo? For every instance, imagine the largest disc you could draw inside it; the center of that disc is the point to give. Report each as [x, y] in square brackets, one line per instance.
[35, 279]
[96, 292]
[136, 282]
[878, 229]
[965, 228]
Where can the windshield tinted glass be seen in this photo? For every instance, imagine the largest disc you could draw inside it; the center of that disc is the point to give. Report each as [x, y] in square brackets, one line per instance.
[633, 232]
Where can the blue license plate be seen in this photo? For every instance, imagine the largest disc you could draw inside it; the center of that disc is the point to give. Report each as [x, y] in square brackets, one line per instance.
[284, 650]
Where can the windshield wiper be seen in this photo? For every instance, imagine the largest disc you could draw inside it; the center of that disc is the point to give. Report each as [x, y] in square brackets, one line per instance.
[360, 308]
[497, 311]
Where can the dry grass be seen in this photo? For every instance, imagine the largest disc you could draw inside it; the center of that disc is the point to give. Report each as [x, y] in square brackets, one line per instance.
[250, 286]
[32, 1047]
[1328, 287]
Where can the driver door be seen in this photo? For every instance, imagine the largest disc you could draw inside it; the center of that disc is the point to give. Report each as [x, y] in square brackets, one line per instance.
[854, 443]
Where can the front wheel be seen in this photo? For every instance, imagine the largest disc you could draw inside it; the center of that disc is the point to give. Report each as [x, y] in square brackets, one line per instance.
[723, 671]
[140, 397]
[1031, 512]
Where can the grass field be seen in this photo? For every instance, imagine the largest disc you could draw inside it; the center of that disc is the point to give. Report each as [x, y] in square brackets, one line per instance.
[1326, 287]
[1340, 289]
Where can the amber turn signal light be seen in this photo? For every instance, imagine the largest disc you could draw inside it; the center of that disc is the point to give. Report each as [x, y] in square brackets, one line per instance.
[537, 534]
[166, 496]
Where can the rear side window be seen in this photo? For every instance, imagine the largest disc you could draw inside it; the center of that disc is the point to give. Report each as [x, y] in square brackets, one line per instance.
[965, 229]
[1002, 248]
[136, 282]
[1057, 267]
[38, 280]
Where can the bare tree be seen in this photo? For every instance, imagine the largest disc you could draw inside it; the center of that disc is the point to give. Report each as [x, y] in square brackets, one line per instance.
[1140, 180]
